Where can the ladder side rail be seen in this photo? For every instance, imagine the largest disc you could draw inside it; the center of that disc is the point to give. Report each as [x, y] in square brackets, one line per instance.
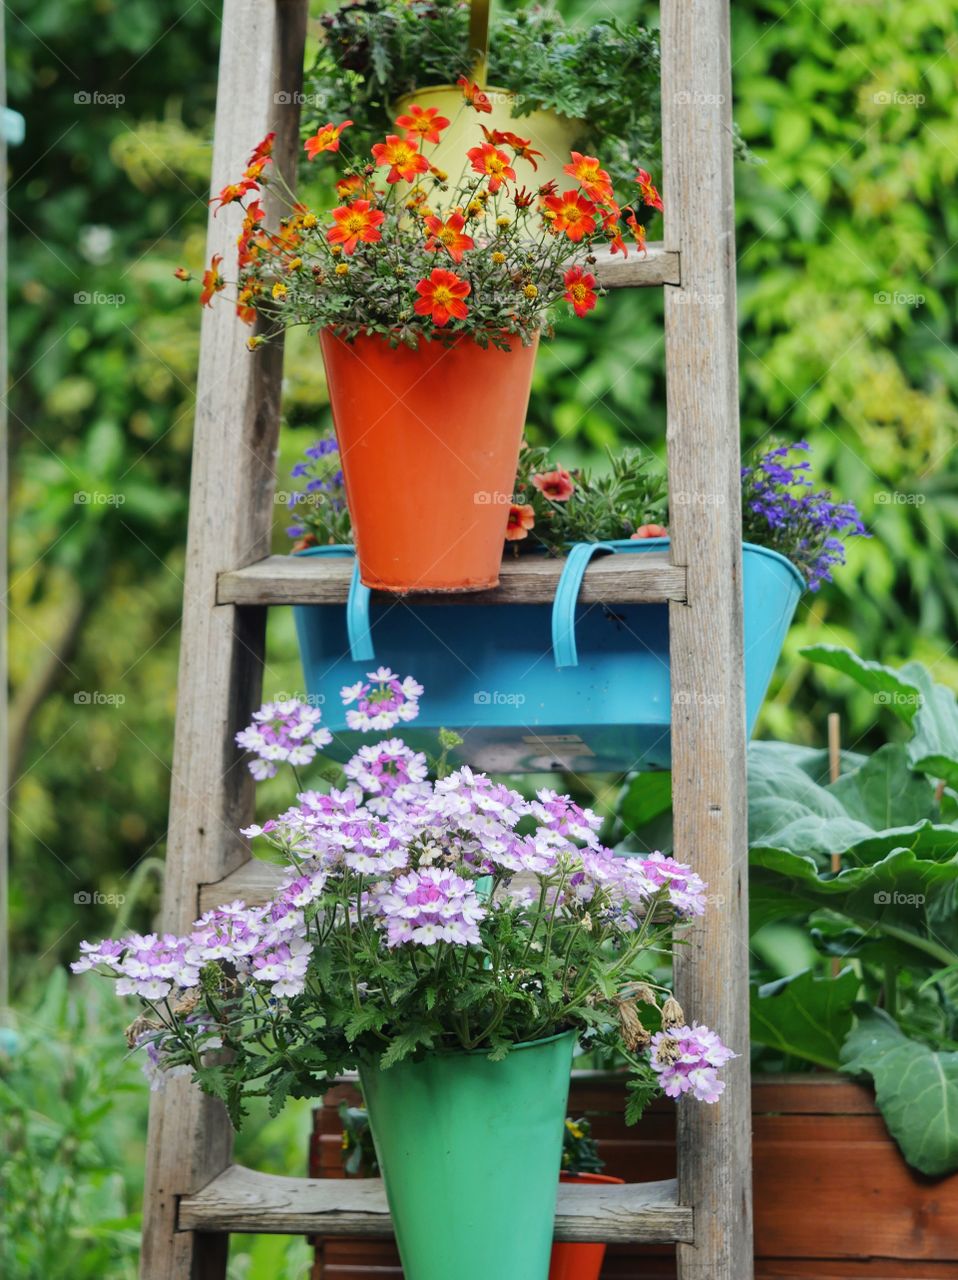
[706, 633]
[222, 646]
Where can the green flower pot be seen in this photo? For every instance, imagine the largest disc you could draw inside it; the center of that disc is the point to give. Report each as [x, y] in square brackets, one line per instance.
[469, 1151]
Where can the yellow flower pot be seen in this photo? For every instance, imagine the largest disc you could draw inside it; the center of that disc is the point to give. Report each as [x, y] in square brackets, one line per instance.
[552, 134]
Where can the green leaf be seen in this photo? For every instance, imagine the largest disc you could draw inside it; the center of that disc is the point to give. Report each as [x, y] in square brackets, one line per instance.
[911, 898]
[890, 687]
[885, 792]
[279, 1091]
[934, 748]
[806, 1016]
[916, 1089]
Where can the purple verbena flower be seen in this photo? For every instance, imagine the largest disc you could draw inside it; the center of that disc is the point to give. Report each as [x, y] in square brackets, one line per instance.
[283, 731]
[382, 701]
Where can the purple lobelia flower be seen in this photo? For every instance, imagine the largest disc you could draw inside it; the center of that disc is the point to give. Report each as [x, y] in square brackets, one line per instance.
[780, 511]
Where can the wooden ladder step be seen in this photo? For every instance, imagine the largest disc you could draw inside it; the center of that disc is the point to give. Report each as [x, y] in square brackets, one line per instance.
[242, 1200]
[648, 578]
[658, 266]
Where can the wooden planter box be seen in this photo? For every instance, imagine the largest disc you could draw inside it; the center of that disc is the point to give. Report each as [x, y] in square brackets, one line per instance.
[833, 1197]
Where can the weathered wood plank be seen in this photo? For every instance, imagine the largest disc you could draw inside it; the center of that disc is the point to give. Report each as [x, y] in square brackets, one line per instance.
[246, 1201]
[253, 882]
[612, 579]
[237, 419]
[659, 266]
[708, 708]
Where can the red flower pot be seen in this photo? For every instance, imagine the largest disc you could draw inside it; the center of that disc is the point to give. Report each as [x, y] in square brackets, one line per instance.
[579, 1261]
[429, 439]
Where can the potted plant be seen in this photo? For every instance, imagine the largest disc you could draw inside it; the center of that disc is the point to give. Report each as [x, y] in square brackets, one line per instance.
[581, 1163]
[448, 939]
[428, 324]
[595, 88]
[546, 686]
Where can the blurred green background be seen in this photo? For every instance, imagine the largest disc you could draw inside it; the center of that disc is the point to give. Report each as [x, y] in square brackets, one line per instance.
[848, 340]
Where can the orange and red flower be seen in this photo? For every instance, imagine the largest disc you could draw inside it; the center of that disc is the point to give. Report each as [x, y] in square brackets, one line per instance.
[637, 229]
[234, 192]
[213, 282]
[556, 485]
[263, 149]
[493, 163]
[649, 194]
[522, 518]
[521, 146]
[422, 123]
[448, 235]
[474, 96]
[591, 177]
[441, 297]
[255, 168]
[244, 308]
[402, 155]
[580, 290]
[355, 222]
[650, 531]
[573, 213]
[351, 185]
[611, 227]
[325, 139]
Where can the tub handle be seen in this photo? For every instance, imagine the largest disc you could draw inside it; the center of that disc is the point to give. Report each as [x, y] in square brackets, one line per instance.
[357, 620]
[567, 595]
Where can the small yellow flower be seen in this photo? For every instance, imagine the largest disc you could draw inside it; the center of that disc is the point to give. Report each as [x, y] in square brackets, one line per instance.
[473, 208]
[253, 343]
[343, 269]
[531, 291]
[440, 175]
[498, 258]
[336, 250]
[503, 222]
[295, 264]
[309, 220]
[279, 290]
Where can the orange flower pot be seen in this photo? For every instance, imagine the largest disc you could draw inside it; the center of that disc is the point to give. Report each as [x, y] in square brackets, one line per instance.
[429, 439]
[579, 1261]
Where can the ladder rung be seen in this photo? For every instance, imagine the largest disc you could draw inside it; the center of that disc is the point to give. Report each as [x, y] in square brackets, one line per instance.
[242, 1200]
[254, 883]
[648, 578]
[659, 266]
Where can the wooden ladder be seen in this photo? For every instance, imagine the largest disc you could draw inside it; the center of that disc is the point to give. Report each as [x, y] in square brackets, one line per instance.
[195, 1197]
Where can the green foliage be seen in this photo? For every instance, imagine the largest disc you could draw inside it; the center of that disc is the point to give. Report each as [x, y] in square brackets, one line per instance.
[609, 504]
[806, 1015]
[73, 1117]
[916, 1087]
[580, 1151]
[605, 76]
[890, 911]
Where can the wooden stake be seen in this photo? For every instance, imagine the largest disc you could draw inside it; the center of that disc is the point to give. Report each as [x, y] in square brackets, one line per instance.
[834, 773]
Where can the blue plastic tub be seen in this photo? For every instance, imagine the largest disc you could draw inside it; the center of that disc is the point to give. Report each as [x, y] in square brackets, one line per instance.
[536, 687]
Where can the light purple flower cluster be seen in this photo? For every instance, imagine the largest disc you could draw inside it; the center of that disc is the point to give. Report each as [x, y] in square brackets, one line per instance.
[389, 771]
[283, 732]
[779, 511]
[428, 906]
[382, 701]
[686, 1060]
[392, 860]
[266, 945]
